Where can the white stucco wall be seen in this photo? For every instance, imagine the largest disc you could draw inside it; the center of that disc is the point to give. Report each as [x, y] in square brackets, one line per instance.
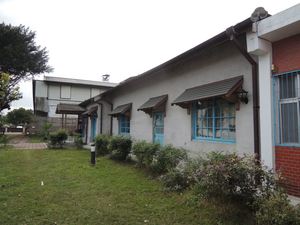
[224, 62]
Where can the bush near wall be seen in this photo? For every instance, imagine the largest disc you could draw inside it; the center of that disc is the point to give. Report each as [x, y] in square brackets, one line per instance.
[167, 158]
[145, 153]
[239, 180]
[102, 145]
[78, 140]
[120, 147]
[57, 139]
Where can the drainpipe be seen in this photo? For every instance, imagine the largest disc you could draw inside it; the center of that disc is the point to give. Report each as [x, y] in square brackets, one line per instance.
[231, 34]
[111, 120]
[101, 114]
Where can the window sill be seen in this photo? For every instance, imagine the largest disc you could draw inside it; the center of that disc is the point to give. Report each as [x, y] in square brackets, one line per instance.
[222, 141]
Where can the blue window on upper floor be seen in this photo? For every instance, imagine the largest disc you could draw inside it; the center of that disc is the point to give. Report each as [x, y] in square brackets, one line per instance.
[124, 125]
[214, 121]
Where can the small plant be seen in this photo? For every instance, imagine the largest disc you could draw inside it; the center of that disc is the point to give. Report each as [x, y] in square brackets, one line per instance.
[276, 209]
[57, 139]
[167, 158]
[120, 147]
[102, 144]
[46, 130]
[145, 152]
[3, 140]
[78, 140]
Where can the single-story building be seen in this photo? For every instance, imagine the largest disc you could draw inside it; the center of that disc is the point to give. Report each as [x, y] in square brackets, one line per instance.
[238, 92]
[201, 100]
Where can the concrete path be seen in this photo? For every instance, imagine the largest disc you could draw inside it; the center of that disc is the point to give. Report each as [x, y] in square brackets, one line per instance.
[23, 142]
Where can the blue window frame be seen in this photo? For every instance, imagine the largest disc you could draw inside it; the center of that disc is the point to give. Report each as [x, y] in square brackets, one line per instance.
[214, 121]
[124, 124]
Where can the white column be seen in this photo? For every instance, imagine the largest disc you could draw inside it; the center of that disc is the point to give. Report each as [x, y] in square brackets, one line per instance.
[266, 106]
[263, 50]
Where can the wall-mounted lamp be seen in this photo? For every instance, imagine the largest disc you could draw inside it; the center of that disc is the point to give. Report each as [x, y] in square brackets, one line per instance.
[243, 96]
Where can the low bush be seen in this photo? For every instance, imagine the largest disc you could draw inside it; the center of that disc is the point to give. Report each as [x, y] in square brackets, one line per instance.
[276, 209]
[167, 158]
[102, 144]
[120, 147]
[145, 152]
[57, 139]
[233, 178]
[45, 132]
[78, 140]
[183, 176]
[3, 140]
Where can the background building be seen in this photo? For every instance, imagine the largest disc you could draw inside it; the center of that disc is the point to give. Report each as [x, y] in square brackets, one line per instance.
[56, 99]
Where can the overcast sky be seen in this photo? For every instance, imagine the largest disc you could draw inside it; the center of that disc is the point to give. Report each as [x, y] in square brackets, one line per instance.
[123, 38]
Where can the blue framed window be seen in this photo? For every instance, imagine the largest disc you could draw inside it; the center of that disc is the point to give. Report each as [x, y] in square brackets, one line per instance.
[287, 108]
[214, 121]
[124, 124]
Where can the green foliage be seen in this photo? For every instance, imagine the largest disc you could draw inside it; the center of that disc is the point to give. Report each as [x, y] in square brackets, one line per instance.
[145, 152]
[19, 116]
[233, 178]
[78, 140]
[57, 139]
[8, 92]
[46, 130]
[102, 144]
[120, 147]
[167, 158]
[3, 140]
[21, 58]
[183, 176]
[276, 209]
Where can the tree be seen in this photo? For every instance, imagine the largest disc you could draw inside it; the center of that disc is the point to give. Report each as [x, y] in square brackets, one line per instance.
[20, 58]
[20, 116]
[8, 93]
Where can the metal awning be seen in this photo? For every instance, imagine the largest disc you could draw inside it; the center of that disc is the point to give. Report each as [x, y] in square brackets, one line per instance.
[223, 88]
[153, 102]
[63, 108]
[121, 109]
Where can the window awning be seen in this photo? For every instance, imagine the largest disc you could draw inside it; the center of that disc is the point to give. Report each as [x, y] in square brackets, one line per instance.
[91, 111]
[155, 103]
[121, 109]
[63, 108]
[224, 88]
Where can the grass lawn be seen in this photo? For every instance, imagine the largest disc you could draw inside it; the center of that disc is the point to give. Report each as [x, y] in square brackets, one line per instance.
[109, 193]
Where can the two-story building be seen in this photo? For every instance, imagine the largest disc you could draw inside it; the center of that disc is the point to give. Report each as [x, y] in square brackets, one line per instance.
[56, 99]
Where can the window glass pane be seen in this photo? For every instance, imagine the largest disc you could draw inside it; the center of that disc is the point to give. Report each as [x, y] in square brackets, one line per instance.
[289, 122]
[288, 86]
[215, 120]
[124, 124]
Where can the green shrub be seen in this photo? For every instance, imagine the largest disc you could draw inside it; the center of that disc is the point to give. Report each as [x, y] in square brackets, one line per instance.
[45, 132]
[3, 140]
[145, 152]
[183, 176]
[120, 147]
[276, 209]
[57, 139]
[167, 158]
[78, 140]
[102, 144]
[233, 178]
